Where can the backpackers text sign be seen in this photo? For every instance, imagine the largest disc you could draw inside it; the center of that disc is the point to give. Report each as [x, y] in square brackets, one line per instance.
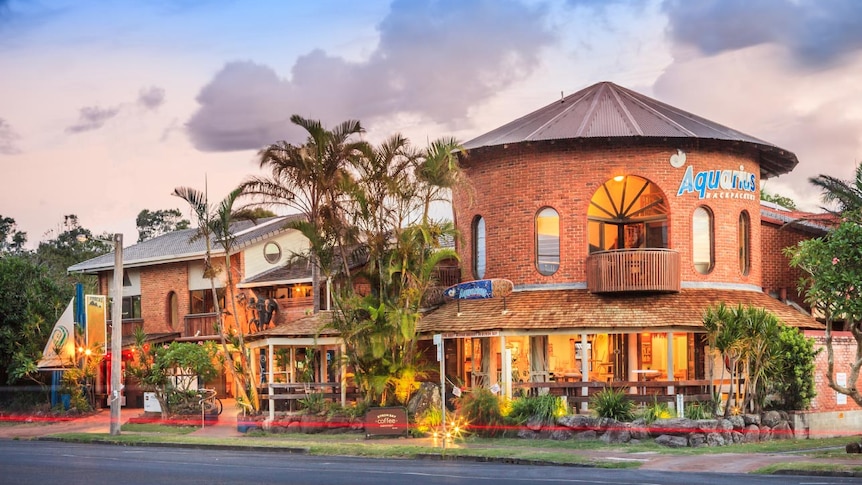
[719, 184]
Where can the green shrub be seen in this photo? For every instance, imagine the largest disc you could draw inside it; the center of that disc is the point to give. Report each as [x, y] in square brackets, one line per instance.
[613, 403]
[313, 403]
[698, 410]
[656, 410]
[546, 408]
[481, 409]
[793, 365]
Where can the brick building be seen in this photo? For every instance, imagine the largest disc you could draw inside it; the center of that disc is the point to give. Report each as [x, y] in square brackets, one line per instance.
[619, 220]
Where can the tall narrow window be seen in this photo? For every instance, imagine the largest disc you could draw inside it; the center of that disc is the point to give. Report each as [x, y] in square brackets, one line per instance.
[479, 254]
[547, 241]
[702, 254]
[744, 243]
[173, 309]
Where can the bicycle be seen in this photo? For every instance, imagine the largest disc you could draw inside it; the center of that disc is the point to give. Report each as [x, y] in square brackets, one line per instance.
[209, 403]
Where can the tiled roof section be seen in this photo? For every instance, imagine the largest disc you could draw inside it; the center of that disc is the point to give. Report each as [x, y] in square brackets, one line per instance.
[309, 326]
[815, 223]
[606, 110]
[580, 309]
[294, 271]
[183, 245]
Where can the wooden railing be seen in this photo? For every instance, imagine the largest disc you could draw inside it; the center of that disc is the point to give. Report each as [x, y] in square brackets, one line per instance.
[626, 270]
[444, 277]
[637, 391]
[202, 325]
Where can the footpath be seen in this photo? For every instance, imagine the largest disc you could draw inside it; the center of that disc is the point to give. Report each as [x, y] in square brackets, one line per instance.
[225, 428]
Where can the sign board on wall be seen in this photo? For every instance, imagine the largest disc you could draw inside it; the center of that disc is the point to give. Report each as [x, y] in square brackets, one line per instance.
[97, 323]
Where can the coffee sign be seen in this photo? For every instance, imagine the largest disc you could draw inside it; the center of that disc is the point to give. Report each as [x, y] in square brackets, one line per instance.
[389, 421]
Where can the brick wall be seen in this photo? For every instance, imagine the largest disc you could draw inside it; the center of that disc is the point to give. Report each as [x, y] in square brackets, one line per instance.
[778, 276]
[510, 184]
[844, 348]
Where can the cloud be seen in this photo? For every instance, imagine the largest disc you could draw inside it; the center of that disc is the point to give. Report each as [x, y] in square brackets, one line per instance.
[435, 60]
[92, 118]
[817, 33]
[8, 137]
[151, 98]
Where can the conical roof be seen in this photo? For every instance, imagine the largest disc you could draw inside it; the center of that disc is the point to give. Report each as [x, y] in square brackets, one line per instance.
[606, 110]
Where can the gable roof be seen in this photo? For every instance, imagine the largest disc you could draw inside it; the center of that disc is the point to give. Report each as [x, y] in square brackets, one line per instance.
[183, 246]
[606, 110]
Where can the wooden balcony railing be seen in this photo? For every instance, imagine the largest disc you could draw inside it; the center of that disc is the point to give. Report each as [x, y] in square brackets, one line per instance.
[202, 325]
[627, 270]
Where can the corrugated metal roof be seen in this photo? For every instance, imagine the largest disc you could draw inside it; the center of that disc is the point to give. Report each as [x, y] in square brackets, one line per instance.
[183, 246]
[606, 110]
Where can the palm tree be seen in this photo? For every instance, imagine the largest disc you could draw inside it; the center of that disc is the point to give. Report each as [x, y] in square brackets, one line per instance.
[214, 223]
[310, 178]
[846, 195]
[438, 172]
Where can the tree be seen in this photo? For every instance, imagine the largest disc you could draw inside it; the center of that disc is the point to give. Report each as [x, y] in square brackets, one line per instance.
[72, 244]
[833, 268]
[27, 314]
[156, 223]
[845, 195]
[214, 224]
[155, 365]
[388, 205]
[309, 178]
[778, 199]
[11, 239]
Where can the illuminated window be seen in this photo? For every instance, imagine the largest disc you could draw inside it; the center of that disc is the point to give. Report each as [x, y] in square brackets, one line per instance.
[201, 301]
[547, 241]
[702, 239]
[479, 247]
[627, 212]
[744, 243]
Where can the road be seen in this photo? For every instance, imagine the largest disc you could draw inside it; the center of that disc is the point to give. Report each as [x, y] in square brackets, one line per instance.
[43, 462]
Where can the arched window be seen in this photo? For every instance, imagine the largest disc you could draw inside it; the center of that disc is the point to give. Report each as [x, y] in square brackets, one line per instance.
[744, 243]
[627, 212]
[547, 241]
[703, 240]
[479, 254]
[173, 309]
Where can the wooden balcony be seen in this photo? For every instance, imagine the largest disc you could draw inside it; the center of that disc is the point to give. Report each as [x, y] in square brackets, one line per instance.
[202, 325]
[633, 270]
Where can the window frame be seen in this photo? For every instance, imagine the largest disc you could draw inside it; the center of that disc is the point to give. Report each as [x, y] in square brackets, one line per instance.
[744, 242]
[538, 253]
[274, 257]
[710, 239]
[480, 247]
[206, 302]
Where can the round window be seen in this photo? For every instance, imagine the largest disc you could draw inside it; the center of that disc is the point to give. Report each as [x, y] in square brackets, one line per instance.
[272, 252]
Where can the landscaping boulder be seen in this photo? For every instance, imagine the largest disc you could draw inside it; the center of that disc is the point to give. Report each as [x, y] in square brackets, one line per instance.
[716, 439]
[751, 434]
[750, 419]
[696, 440]
[771, 419]
[782, 431]
[427, 396]
[674, 427]
[672, 441]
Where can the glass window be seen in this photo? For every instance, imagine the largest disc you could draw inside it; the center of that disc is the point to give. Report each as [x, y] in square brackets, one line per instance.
[627, 212]
[547, 241]
[173, 309]
[744, 243]
[131, 307]
[201, 301]
[479, 247]
[702, 238]
[272, 252]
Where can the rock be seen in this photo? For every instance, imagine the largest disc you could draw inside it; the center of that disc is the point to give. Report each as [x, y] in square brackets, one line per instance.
[427, 396]
[561, 434]
[725, 427]
[782, 431]
[737, 421]
[737, 437]
[616, 434]
[534, 424]
[765, 433]
[715, 439]
[706, 425]
[585, 435]
[751, 434]
[672, 441]
[310, 423]
[673, 427]
[750, 419]
[696, 440]
[771, 418]
[639, 430]
[578, 422]
[528, 434]
[854, 447]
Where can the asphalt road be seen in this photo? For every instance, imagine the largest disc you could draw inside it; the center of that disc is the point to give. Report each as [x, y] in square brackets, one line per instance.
[42, 462]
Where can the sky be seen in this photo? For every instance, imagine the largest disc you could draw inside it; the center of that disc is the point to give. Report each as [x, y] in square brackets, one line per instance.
[107, 106]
